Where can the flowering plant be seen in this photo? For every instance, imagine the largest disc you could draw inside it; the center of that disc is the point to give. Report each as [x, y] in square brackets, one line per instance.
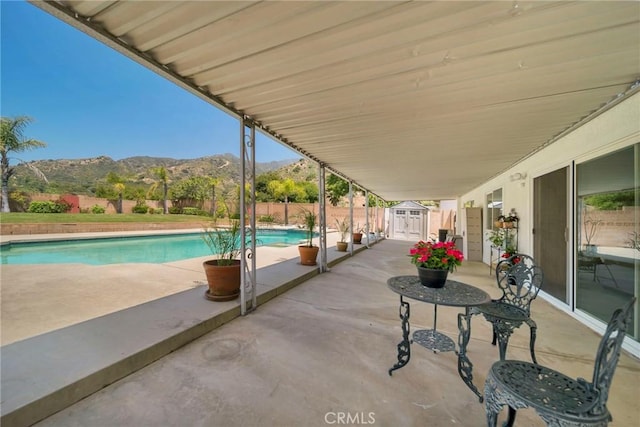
[439, 256]
[509, 252]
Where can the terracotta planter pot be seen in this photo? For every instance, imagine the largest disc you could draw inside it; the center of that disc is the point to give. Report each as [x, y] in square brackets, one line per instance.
[357, 238]
[507, 224]
[223, 280]
[342, 246]
[308, 254]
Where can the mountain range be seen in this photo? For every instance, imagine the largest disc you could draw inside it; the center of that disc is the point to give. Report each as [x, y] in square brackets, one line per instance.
[81, 176]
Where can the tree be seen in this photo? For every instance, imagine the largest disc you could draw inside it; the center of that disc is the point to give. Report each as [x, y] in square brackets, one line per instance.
[336, 188]
[12, 140]
[213, 182]
[262, 185]
[117, 184]
[161, 174]
[191, 191]
[284, 190]
[310, 191]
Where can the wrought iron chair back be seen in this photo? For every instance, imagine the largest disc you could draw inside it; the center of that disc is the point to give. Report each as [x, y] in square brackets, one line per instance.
[558, 399]
[520, 280]
[609, 352]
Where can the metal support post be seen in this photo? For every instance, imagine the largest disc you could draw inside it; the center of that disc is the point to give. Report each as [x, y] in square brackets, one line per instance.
[351, 216]
[367, 227]
[248, 297]
[322, 214]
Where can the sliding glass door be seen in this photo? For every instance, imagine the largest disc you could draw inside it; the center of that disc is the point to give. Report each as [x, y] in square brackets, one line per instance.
[607, 233]
[551, 202]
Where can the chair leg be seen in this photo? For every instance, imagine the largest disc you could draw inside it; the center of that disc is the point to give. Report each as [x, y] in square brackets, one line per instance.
[492, 418]
[532, 341]
[495, 336]
[502, 333]
[511, 419]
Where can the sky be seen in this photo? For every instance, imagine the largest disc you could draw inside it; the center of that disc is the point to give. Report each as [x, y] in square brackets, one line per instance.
[87, 100]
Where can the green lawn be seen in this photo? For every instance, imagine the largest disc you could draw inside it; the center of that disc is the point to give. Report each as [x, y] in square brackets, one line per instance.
[38, 218]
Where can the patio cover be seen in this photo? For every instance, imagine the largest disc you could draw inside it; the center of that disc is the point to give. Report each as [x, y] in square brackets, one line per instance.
[410, 100]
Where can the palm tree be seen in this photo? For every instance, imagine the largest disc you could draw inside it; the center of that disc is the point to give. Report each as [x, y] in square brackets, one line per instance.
[12, 140]
[119, 188]
[160, 172]
[213, 182]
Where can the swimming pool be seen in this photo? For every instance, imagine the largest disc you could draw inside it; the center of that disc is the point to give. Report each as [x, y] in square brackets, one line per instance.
[116, 250]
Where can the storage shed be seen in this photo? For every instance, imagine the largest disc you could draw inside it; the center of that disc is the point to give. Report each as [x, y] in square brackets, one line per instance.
[409, 221]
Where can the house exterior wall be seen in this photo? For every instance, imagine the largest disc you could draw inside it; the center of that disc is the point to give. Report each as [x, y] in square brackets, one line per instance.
[616, 128]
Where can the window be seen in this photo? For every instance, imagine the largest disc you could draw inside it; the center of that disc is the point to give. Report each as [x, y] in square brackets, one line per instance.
[494, 208]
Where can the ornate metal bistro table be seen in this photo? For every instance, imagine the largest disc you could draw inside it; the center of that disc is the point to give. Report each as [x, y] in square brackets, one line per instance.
[454, 294]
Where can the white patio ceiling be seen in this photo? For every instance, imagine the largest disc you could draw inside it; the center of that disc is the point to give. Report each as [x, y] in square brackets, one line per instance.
[410, 100]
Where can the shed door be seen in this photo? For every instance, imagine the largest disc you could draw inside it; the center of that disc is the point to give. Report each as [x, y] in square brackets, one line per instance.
[414, 220]
[400, 224]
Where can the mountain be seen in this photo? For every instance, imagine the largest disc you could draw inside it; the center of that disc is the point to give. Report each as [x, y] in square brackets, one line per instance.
[82, 176]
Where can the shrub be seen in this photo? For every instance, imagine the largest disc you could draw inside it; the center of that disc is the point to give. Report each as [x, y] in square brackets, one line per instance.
[266, 218]
[59, 206]
[140, 209]
[62, 206]
[20, 199]
[97, 209]
[175, 210]
[190, 211]
[156, 211]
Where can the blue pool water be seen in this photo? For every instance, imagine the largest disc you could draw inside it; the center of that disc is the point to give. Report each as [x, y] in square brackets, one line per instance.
[116, 250]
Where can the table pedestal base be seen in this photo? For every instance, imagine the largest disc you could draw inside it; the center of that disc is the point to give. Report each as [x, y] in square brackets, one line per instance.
[434, 340]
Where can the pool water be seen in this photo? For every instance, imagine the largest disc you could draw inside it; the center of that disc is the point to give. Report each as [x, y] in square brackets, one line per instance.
[116, 250]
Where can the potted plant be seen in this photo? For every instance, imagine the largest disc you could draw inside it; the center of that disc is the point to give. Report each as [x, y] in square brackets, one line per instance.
[356, 237]
[223, 273]
[343, 228]
[508, 253]
[434, 261]
[496, 237]
[509, 220]
[308, 252]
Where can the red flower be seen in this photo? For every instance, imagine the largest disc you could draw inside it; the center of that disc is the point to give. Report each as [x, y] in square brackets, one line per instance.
[439, 256]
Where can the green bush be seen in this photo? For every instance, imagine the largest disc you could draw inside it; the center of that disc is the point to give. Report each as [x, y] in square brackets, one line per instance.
[62, 206]
[97, 209]
[140, 209]
[190, 211]
[48, 207]
[266, 218]
[194, 211]
[234, 216]
[175, 210]
[156, 211]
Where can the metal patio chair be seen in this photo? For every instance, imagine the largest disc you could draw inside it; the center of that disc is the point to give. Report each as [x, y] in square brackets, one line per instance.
[558, 399]
[519, 279]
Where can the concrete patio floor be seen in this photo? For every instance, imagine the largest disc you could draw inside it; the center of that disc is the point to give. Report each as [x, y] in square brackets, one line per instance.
[314, 355]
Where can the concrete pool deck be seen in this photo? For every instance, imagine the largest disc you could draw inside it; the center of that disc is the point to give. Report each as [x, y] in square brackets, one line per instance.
[39, 298]
[319, 350]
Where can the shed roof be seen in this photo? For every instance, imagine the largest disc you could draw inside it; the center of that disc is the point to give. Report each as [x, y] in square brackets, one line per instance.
[409, 205]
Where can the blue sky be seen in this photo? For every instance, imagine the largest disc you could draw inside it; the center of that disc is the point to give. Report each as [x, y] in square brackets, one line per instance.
[87, 100]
